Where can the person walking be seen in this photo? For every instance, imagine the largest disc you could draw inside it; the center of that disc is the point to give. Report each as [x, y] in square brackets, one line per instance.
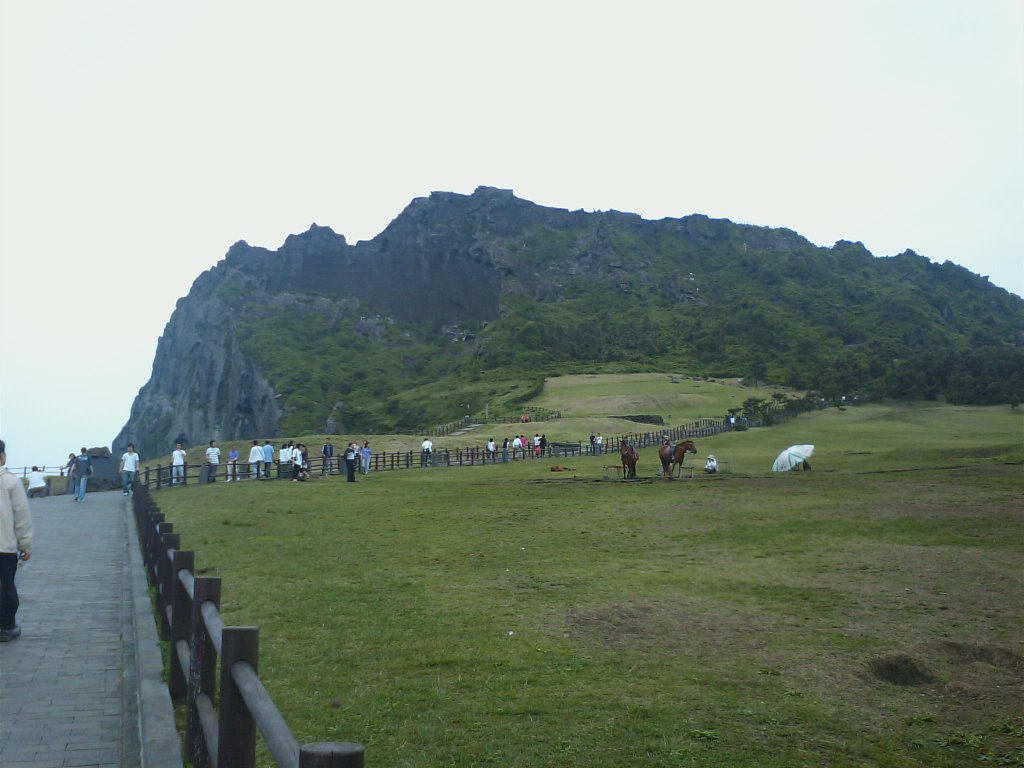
[83, 468]
[129, 469]
[15, 543]
[367, 454]
[255, 460]
[178, 464]
[328, 453]
[212, 461]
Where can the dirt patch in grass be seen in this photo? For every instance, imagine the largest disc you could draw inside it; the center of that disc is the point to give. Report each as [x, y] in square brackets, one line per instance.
[968, 653]
[669, 626]
[900, 669]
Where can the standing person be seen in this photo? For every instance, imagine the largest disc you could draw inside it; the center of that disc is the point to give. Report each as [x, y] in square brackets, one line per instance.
[37, 484]
[255, 460]
[83, 468]
[367, 454]
[598, 442]
[428, 449]
[350, 462]
[536, 446]
[129, 469]
[268, 459]
[232, 472]
[504, 452]
[492, 450]
[15, 542]
[297, 460]
[284, 458]
[593, 440]
[212, 461]
[543, 445]
[517, 444]
[178, 464]
[328, 453]
[69, 470]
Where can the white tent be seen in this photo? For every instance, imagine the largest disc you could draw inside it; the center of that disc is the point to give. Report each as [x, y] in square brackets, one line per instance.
[792, 457]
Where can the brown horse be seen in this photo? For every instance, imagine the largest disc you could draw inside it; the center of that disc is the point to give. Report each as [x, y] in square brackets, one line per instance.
[629, 455]
[672, 457]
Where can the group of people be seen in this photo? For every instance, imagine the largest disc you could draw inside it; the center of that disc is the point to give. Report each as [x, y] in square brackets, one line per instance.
[292, 459]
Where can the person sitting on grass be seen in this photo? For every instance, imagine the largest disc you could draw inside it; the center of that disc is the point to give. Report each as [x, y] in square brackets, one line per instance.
[711, 467]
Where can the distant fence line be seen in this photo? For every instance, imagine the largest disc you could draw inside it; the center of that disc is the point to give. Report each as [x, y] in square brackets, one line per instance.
[188, 617]
[161, 476]
[521, 416]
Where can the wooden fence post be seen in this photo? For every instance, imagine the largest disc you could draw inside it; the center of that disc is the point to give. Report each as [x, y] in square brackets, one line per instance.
[181, 621]
[236, 747]
[165, 576]
[202, 670]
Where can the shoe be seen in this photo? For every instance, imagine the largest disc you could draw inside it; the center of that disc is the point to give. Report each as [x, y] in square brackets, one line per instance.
[6, 635]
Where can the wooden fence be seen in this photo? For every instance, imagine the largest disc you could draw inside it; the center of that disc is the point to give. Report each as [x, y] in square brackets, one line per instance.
[188, 608]
[162, 476]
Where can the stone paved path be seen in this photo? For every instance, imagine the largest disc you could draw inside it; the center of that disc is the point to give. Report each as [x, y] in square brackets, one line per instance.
[67, 686]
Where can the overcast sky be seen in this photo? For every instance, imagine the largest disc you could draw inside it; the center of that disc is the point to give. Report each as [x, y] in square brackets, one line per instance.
[139, 140]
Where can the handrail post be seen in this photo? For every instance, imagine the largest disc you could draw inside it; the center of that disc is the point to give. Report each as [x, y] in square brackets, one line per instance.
[181, 621]
[153, 544]
[202, 677]
[237, 729]
[331, 755]
[165, 576]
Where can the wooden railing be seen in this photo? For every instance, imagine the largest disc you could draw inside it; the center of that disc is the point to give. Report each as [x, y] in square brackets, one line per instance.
[188, 608]
[161, 476]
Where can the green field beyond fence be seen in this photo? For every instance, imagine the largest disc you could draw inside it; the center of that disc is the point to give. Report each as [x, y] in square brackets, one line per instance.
[868, 612]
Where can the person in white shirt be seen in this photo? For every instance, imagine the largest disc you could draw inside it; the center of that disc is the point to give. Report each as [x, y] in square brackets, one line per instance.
[492, 450]
[255, 459]
[213, 459]
[428, 449]
[284, 458]
[129, 469]
[178, 464]
[517, 445]
[598, 442]
[711, 467]
[37, 484]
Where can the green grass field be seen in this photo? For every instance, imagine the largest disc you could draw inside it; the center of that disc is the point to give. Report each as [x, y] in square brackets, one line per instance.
[866, 613]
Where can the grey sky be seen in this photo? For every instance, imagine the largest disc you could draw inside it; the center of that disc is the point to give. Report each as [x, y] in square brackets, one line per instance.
[139, 140]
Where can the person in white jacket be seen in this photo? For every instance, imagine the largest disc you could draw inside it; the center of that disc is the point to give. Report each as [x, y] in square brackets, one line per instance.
[255, 459]
[15, 542]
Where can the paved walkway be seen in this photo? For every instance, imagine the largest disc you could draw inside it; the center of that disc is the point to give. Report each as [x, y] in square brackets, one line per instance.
[71, 687]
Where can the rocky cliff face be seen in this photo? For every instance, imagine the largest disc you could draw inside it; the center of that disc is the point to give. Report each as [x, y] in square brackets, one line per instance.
[451, 260]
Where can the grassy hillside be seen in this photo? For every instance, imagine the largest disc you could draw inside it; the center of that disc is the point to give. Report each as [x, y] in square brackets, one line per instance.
[866, 613]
